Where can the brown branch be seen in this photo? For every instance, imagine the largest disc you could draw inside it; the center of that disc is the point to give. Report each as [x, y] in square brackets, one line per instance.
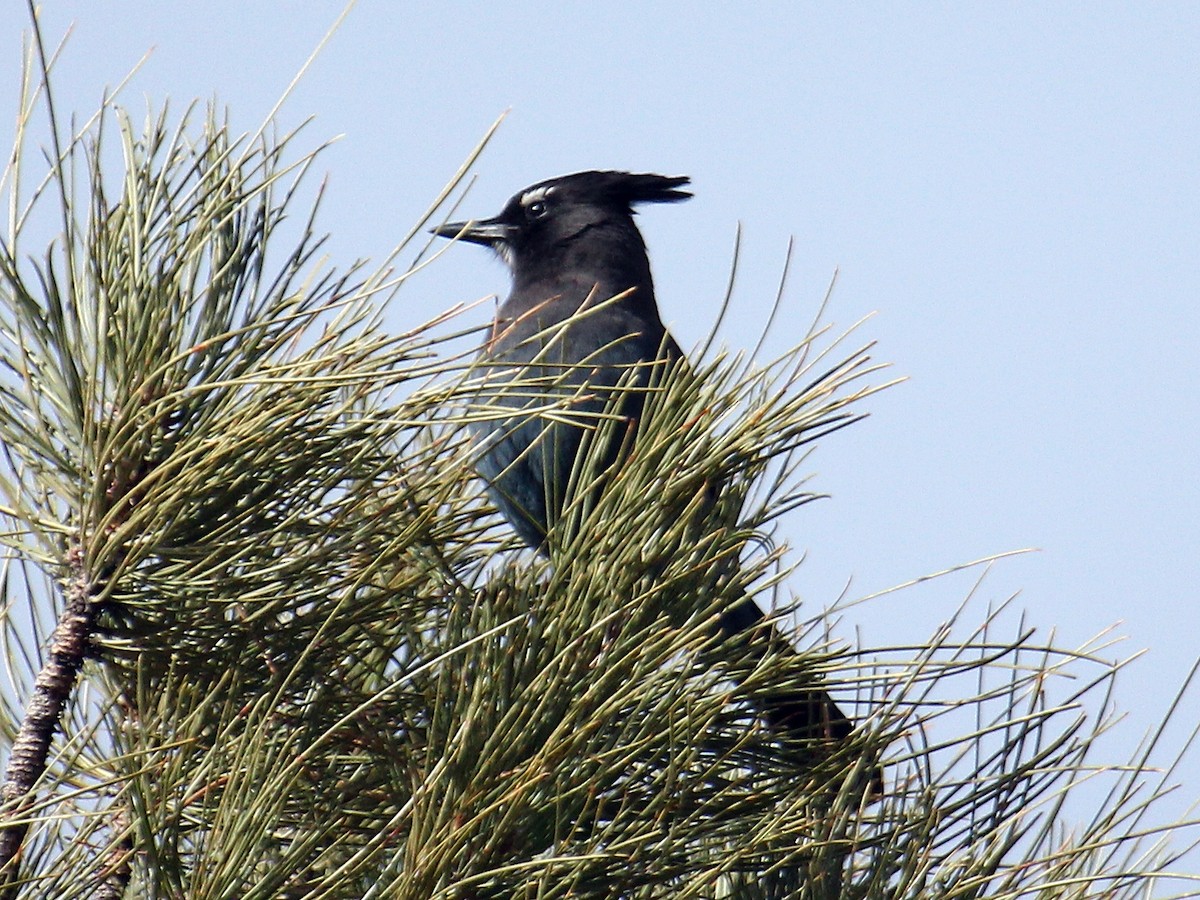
[27, 762]
[120, 862]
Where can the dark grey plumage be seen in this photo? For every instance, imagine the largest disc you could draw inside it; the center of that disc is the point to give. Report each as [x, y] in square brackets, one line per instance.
[568, 242]
[571, 245]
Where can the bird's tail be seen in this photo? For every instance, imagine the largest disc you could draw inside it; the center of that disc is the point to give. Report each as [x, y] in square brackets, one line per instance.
[807, 716]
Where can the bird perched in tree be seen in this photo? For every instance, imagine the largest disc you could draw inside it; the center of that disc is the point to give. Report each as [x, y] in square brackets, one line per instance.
[582, 312]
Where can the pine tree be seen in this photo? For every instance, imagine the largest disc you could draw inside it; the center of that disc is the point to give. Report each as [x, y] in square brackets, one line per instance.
[264, 638]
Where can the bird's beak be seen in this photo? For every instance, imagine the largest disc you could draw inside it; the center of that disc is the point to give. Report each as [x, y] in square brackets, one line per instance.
[488, 232]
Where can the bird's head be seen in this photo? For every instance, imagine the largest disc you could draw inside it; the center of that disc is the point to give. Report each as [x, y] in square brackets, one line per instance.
[549, 223]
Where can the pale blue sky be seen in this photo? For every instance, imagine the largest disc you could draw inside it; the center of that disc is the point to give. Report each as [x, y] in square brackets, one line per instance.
[1015, 188]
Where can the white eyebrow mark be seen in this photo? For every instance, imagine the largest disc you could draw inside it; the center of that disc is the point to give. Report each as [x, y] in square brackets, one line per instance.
[533, 196]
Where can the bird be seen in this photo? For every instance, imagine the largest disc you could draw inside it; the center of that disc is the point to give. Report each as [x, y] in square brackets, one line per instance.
[582, 312]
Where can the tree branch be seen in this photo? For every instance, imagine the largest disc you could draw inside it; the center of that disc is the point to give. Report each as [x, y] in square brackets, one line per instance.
[30, 750]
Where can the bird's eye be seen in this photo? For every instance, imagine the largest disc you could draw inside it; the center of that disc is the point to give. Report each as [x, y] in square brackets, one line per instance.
[536, 209]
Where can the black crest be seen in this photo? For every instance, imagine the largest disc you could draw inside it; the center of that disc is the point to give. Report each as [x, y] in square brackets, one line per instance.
[624, 188]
